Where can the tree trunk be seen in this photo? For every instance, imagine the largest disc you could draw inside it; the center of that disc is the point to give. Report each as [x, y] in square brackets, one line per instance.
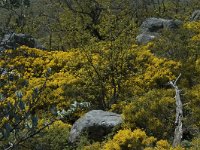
[178, 133]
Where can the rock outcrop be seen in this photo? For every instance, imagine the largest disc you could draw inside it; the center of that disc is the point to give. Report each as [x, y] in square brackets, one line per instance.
[13, 40]
[195, 15]
[96, 124]
[151, 26]
[144, 38]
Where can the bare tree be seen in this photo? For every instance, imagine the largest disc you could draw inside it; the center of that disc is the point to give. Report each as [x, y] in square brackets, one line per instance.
[178, 133]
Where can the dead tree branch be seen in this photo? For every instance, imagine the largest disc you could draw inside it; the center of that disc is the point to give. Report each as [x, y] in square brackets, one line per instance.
[178, 133]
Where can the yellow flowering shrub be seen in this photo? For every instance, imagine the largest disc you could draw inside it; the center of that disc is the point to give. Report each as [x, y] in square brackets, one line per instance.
[162, 145]
[182, 45]
[197, 64]
[118, 107]
[129, 140]
[151, 71]
[195, 27]
[29, 66]
[116, 73]
[154, 112]
[103, 74]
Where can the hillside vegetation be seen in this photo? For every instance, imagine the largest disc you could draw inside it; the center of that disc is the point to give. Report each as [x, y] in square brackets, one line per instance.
[92, 61]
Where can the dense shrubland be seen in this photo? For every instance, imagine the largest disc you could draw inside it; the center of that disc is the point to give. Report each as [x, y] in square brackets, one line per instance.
[92, 58]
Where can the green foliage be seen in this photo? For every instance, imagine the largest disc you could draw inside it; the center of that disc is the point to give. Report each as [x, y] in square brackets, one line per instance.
[53, 137]
[19, 122]
[114, 71]
[92, 63]
[195, 143]
[152, 112]
[180, 45]
[192, 98]
[9, 4]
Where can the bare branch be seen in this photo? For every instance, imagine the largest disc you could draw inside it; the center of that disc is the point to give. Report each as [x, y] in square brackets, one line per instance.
[177, 79]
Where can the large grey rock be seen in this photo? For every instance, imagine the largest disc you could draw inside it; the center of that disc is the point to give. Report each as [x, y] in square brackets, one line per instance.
[195, 15]
[96, 124]
[155, 24]
[13, 40]
[151, 26]
[144, 38]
